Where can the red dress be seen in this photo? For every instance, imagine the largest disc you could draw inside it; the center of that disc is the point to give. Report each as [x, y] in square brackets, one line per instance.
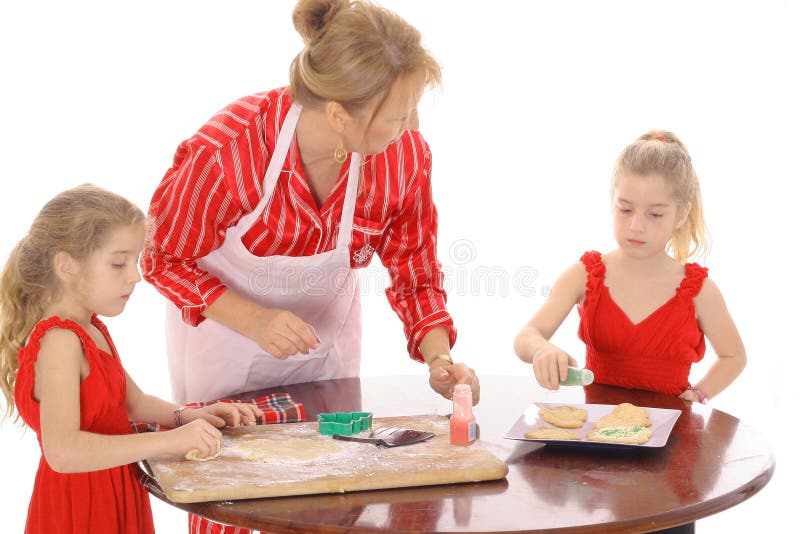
[108, 500]
[655, 354]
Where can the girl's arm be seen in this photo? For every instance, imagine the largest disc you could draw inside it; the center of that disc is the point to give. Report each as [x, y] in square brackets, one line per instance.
[66, 447]
[716, 323]
[532, 344]
[144, 407]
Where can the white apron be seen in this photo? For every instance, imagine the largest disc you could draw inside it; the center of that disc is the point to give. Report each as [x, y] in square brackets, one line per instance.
[211, 361]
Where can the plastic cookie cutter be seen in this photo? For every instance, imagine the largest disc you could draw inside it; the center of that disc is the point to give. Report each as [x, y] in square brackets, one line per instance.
[344, 423]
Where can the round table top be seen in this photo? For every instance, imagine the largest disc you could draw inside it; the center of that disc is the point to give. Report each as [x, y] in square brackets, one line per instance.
[711, 462]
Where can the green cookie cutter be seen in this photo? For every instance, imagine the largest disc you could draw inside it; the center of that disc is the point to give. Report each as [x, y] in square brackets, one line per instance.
[344, 423]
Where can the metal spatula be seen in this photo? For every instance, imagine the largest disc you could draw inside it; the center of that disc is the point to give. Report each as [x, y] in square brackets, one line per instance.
[390, 437]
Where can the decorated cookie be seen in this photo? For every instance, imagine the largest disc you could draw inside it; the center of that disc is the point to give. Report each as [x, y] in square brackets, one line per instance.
[625, 415]
[631, 435]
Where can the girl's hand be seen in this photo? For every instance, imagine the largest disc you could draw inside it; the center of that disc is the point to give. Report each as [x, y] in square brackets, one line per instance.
[443, 379]
[198, 435]
[550, 365]
[690, 396]
[282, 333]
[221, 414]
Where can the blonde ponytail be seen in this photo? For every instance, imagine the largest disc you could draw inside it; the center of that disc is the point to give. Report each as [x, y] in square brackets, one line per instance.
[21, 306]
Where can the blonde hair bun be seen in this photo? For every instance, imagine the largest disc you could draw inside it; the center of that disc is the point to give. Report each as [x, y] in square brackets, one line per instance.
[311, 16]
[354, 51]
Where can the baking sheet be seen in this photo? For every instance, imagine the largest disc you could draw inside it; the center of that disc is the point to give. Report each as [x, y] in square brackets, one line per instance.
[662, 420]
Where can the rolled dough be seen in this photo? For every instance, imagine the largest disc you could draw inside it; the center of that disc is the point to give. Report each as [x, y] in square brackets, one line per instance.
[289, 450]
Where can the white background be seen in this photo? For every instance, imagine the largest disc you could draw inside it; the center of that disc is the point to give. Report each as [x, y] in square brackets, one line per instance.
[538, 99]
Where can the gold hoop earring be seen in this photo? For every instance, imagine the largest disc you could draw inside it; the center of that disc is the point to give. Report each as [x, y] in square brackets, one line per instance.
[340, 154]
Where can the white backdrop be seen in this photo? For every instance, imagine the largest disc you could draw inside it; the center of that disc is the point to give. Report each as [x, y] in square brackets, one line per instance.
[538, 99]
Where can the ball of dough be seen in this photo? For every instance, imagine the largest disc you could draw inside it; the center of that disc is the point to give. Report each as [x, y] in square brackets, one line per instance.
[194, 454]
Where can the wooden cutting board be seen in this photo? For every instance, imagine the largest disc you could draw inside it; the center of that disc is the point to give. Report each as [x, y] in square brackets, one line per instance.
[294, 459]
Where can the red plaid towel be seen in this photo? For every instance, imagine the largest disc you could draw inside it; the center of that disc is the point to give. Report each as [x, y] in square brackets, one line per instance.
[277, 408]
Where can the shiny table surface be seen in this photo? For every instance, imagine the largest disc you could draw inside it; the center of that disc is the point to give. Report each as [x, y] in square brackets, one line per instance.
[711, 462]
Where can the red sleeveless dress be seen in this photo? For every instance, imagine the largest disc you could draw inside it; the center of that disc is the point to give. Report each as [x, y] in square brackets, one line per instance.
[109, 500]
[655, 354]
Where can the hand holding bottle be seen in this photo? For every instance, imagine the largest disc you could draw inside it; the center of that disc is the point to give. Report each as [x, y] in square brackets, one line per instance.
[550, 365]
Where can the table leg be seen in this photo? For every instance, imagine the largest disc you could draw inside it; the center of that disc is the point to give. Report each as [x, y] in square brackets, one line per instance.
[688, 528]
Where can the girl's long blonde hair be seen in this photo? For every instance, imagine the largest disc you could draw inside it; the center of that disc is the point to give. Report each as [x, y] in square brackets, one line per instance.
[354, 51]
[77, 222]
[659, 152]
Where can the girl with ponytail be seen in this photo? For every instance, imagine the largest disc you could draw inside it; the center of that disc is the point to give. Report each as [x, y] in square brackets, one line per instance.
[60, 369]
[645, 312]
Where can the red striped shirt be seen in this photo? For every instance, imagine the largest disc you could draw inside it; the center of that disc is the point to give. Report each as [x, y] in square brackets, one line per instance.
[216, 178]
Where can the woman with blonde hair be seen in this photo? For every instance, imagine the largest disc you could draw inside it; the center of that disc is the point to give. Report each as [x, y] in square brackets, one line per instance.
[270, 207]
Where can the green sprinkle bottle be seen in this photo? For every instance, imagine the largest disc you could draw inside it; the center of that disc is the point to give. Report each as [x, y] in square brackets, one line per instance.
[578, 377]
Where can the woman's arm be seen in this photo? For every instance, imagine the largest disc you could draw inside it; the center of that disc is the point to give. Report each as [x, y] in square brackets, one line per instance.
[532, 344]
[182, 229]
[408, 251]
[444, 374]
[66, 447]
[717, 324]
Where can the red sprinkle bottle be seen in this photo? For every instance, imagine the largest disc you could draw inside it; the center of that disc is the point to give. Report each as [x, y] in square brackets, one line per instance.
[463, 428]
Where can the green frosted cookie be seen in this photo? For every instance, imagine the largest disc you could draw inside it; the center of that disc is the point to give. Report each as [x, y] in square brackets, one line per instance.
[631, 435]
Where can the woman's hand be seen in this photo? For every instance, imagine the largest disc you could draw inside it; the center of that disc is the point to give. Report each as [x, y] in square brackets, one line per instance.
[282, 333]
[198, 435]
[444, 377]
[550, 365]
[221, 414]
[279, 332]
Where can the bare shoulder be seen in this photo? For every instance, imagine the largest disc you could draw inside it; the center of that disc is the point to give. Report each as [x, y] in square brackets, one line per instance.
[60, 346]
[709, 292]
[572, 281]
[709, 301]
[576, 268]
[576, 273]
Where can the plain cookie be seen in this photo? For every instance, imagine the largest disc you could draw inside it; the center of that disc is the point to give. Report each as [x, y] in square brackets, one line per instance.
[548, 432]
[564, 416]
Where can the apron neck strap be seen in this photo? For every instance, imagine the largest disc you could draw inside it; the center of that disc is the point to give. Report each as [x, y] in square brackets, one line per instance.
[277, 158]
[275, 166]
[345, 235]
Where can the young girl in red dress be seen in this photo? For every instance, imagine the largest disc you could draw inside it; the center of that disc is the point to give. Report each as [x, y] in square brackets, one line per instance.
[644, 312]
[60, 367]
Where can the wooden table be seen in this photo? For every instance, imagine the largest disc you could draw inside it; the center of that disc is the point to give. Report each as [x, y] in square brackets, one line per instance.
[712, 461]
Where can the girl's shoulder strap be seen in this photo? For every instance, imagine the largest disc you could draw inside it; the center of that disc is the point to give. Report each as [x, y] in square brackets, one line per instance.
[100, 325]
[692, 283]
[32, 346]
[595, 268]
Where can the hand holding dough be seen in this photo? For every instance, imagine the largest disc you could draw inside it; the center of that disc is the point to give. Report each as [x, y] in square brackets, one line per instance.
[194, 454]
